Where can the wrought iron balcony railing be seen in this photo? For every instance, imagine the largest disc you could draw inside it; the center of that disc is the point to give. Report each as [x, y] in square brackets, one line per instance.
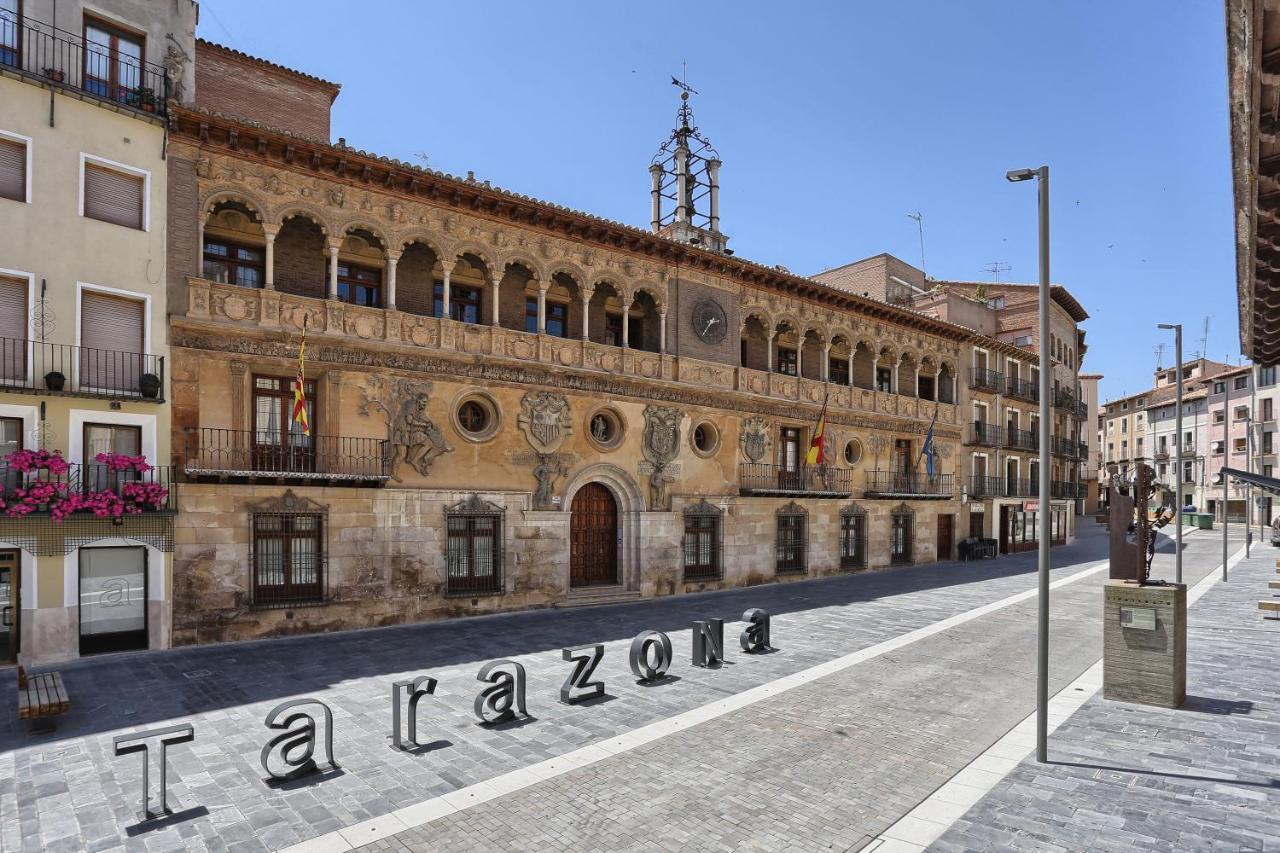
[760, 479]
[274, 455]
[1021, 487]
[1070, 449]
[1063, 490]
[1022, 389]
[80, 491]
[892, 484]
[44, 368]
[986, 434]
[982, 379]
[67, 59]
[1161, 455]
[986, 487]
[1022, 439]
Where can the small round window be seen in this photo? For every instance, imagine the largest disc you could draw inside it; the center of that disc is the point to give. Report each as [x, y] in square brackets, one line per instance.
[476, 417]
[705, 438]
[473, 417]
[604, 427]
[852, 452]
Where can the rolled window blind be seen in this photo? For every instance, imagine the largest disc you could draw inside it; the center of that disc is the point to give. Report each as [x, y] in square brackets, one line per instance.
[113, 196]
[111, 340]
[13, 328]
[13, 169]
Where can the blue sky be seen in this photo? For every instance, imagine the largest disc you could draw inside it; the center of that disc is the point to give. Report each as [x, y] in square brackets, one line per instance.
[834, 122]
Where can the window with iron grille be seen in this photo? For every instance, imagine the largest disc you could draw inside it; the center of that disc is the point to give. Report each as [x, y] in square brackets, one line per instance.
[901, 534]
[702, 541]
[853, 538]
[792, 542]
[473, 547]
[288, 561]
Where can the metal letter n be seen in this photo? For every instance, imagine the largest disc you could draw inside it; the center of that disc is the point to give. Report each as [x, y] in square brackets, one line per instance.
[708, 643]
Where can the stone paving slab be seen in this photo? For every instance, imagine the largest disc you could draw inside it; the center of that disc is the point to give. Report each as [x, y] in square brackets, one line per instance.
[1133, 777]
[68, 792]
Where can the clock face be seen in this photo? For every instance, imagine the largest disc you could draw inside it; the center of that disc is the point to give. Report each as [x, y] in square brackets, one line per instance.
[708, 321]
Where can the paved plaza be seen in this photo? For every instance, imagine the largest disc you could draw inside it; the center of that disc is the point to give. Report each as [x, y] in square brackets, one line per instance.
[883, 686]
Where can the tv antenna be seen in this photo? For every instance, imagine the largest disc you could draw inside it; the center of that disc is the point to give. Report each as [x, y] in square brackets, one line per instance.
[1204, 339]
[919, 220]
[1159, 356]
[995, 268]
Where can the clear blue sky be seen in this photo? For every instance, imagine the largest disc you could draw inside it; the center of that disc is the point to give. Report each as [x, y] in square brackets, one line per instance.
[834, 122]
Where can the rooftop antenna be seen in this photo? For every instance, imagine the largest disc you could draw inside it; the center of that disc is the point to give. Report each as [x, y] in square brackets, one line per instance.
[919, 219]
[1204, 339]
[422, 155]
[1159, 357]
[995, 268]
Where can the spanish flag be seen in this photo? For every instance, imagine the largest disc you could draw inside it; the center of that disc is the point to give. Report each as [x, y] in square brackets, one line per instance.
[816, 454]
[299, 386]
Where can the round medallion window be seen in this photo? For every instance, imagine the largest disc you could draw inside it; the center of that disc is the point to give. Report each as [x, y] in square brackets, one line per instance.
[852, 452]
[604, 428]
[475, 416]
[705, 438]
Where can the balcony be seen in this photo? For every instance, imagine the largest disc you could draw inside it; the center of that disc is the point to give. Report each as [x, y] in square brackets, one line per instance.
[1067, 448]
[1066, 400]
[61, 59]
[988, 435]
[1063, 490]
[1022, 439]
[227, 454]
[824, 481]
[1021, 487]
[1022, 389]
[897, 484]
[1161, 455]
[41, 368]
[986, 487]
[1082, 450]
[982, 379]
[135, 493]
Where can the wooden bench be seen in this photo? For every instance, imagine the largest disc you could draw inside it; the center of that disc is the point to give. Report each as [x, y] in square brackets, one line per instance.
[39, 696]
[1273, 606]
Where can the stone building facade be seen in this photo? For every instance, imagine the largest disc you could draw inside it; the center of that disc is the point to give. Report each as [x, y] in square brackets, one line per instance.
[516, 405]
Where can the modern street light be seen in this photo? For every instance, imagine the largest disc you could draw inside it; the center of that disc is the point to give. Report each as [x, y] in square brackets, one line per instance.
[1177, 440]
[1046, 368]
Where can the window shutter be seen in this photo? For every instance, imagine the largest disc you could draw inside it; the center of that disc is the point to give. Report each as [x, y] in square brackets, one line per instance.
[13, 169]
[13, 328]
[113, 196]
[111, 341]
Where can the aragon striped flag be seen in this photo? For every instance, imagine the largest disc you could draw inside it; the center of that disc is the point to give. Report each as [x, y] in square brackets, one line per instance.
[299, 387]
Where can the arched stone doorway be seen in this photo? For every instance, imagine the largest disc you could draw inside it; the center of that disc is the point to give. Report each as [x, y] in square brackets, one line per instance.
[593, 537]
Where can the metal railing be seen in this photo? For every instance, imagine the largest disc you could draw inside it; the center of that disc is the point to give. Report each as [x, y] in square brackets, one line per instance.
[1022, 389]
[1063, 490]
[270, 454]
[80, 371]
[1067, 400]
[1082, 450]
[1022, 439]
[139, 491]
[1067, 447]
[894, 483]
[1021, 487]
[986, 487]
[1161, 455]
[988, 434]
[982, 379]
[64, 58]
[757, 478]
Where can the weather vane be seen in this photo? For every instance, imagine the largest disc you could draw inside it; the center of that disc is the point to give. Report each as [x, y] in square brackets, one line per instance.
[683, 85]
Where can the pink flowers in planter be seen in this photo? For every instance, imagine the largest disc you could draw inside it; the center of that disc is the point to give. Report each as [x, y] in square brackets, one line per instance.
[57, 494]
[28, 461]
[121, 462]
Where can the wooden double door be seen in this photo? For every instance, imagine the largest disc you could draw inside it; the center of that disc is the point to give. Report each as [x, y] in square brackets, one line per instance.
[593, 543]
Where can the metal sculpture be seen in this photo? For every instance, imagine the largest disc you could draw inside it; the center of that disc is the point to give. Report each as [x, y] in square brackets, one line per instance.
[294, 739]
[708, 643]
[755, 637]
[137, 742]
[650, 656]
[423, 685]
[1133, 534]
[587, 659]
[501, 702]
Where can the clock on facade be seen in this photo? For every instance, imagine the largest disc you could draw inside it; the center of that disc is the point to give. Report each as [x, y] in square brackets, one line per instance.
[709, 322]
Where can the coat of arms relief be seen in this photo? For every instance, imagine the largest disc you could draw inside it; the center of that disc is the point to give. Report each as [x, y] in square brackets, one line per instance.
[661, 446]
[755, 439]
[546, 423]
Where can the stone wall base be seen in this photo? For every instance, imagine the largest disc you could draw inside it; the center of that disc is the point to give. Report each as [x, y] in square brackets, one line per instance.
[1145, 644]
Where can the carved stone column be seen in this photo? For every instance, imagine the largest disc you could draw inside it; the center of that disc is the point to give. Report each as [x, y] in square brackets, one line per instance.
[238, 419]
[542, 306]
[662, 332]
[333, 269]
[626, 324]
[800, 357]
[393, 258]
[444, 299]
[826, 361]
[853, 352]
[768, 350]
[497, 282]
[586, 311]
[269, 257]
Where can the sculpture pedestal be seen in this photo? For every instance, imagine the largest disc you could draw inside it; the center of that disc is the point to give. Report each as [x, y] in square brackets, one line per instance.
[1144, 656]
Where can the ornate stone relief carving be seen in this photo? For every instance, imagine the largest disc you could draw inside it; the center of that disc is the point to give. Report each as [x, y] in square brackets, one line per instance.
[288, 502]
[755, 440]
[415, 439]
[546, 423]
[661, 445]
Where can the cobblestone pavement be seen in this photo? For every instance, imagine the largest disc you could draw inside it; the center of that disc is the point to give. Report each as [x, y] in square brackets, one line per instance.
[827, 766]
[1131, 777]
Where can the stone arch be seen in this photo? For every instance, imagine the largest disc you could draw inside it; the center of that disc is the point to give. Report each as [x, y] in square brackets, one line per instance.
[656, 292]
[760, 313]
[301, 251]
[523, 259]
[630, 499]
[232, 240]
[216, 195]
[418, 270]
[517, 271]
[812, 347]
[405, 239]
[753, 351]
[569, 268]
[481, 251]
[283, 214]
[361, 224]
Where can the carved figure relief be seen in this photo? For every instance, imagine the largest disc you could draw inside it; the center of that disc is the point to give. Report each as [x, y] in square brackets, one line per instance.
[545, 420]
[415, 439]
[661, 445]
[755, 440]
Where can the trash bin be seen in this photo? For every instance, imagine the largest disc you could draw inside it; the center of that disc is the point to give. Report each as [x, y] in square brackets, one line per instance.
[1201, 520]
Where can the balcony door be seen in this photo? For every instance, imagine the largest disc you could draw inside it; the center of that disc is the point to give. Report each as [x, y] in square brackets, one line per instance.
[113, 599]
[112, 62]
[13, 330]
[279, 444]
[112, 341]
[109, 438]
[789, 456]
[11, 33]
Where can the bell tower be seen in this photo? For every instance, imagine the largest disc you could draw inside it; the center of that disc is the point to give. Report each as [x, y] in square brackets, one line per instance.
[686, 183]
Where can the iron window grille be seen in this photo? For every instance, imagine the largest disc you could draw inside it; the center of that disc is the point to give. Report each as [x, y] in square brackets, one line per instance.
[853, 537]
[792, 542]
[289, 559]
[473, 547]
[901, 535]
[703, 537]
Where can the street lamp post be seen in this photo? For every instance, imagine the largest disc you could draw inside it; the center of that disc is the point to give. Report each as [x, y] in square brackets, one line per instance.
[1177, 440]
[1046, 368]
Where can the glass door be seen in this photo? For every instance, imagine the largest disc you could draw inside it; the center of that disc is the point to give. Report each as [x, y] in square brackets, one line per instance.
[789, 476]
[10, 606]
[113, 599]
[112, 63]
[279, 444]
[109, 438]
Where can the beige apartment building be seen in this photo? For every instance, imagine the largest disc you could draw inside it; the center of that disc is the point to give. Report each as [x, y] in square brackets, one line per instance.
[86, 529]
